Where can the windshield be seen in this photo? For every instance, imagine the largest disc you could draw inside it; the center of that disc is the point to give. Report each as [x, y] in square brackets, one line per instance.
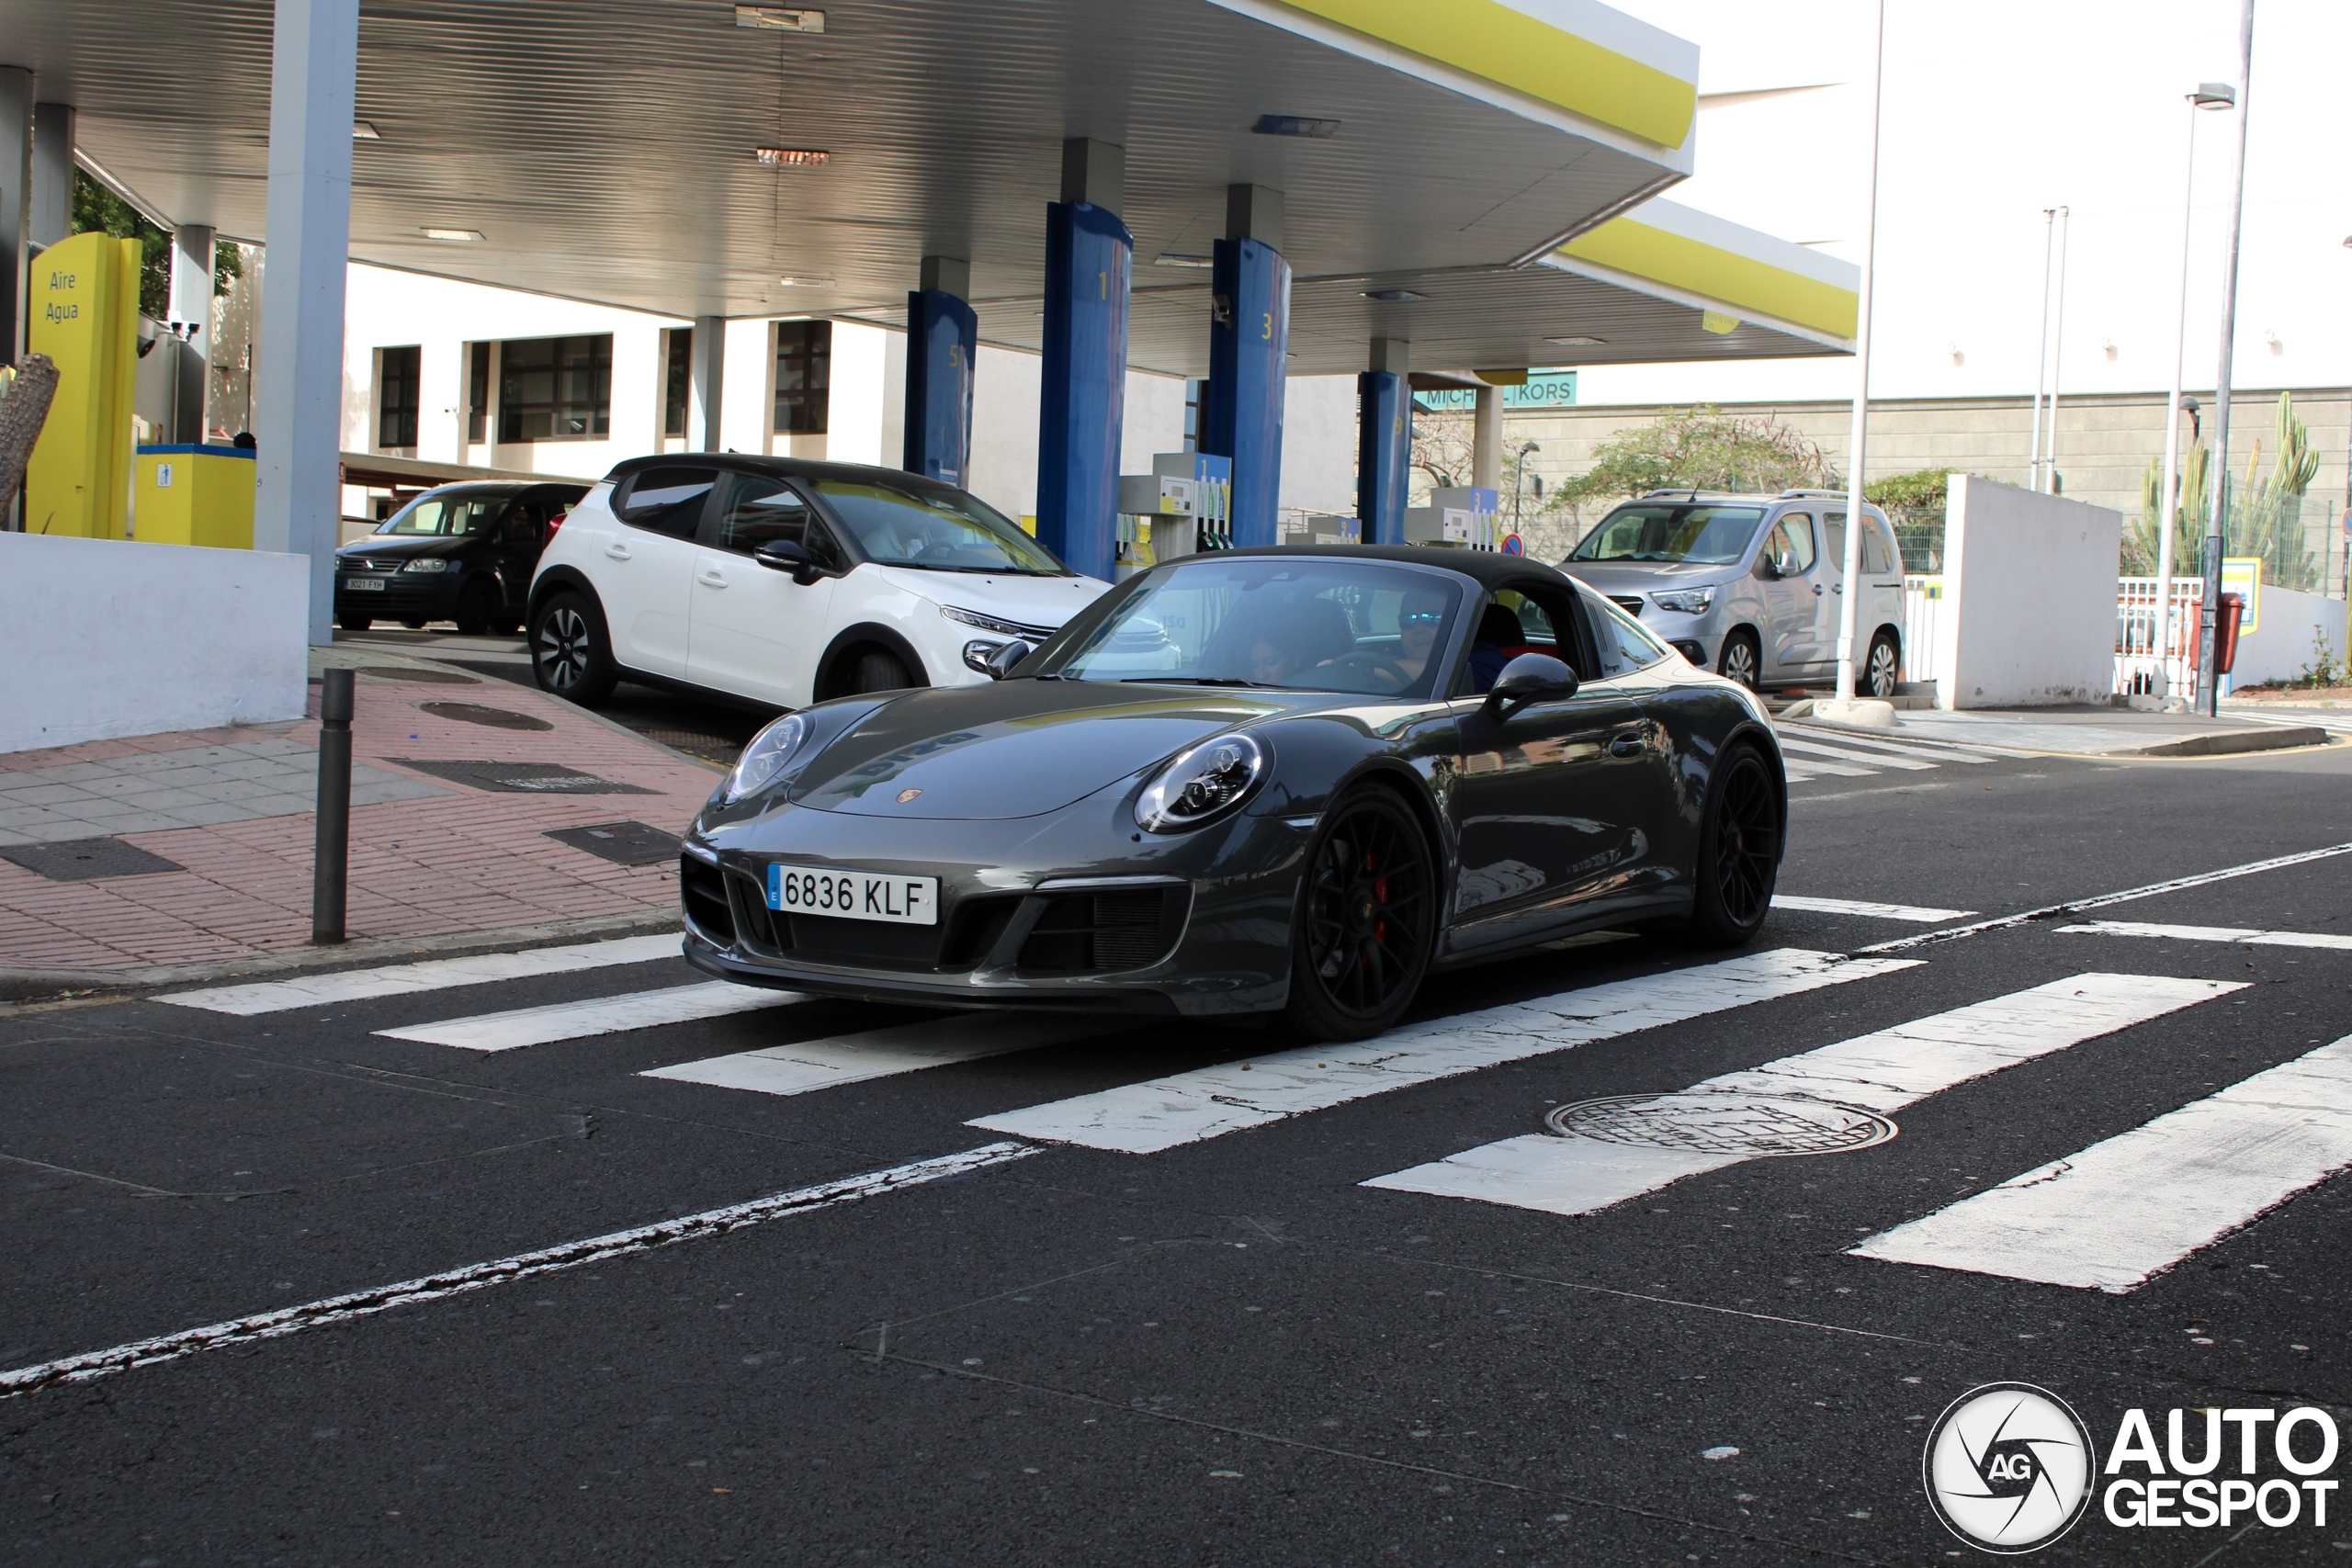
[1698, 534]
[1307, 625]
[445, 516]
[933, 528]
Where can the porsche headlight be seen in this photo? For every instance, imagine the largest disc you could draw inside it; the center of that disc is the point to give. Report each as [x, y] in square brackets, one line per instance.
[1203, 784]
[765, 757]
[1687, 601]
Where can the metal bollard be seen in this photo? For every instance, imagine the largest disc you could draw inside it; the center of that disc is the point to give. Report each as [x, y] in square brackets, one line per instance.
[331, 854]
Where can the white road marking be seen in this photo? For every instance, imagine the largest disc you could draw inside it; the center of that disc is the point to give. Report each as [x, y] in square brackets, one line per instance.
[2076, 906]
[598, 1015]
[808, 1065]
[1186, 1108]
[1863, 906]
[2124, 1210]
[1796, 776]
[283, 1321]
[1940, 750]
[1882, 1072]
[1814, 764]
[1810, 750]
[430, 974]
[2244, 936]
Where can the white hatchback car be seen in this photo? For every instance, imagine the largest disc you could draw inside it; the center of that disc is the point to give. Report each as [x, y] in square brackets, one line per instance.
[785, 583]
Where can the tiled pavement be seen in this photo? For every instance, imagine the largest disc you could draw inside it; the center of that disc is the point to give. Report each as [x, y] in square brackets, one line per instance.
[429, 859]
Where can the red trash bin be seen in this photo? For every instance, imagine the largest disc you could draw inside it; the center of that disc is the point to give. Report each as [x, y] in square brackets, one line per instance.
[2225, 632]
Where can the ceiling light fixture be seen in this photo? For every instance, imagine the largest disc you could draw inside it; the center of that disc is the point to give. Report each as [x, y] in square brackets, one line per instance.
[1576, 342]
[779, 19]
[465, 236]
[1295, 125]
[805, 280]
[1169, 258]
[1392, 296]
[793, 157]
[363, 131]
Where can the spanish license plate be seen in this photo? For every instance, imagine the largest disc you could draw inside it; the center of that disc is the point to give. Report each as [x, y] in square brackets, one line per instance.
[364, 584]
[854, 895]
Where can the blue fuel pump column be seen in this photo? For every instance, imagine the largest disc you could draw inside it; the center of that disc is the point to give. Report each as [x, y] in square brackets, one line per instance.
[943, 339]
[1248, 359]
[1081, 401]
[1384, 442]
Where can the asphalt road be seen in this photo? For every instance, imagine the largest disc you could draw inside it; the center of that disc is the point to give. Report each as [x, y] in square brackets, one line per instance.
[1228, 1352]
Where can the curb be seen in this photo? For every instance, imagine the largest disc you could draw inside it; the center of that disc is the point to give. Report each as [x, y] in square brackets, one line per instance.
[41, 984]
[2227, 743]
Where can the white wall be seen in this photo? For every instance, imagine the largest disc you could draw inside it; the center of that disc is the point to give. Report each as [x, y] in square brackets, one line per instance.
[2029, 609]
[747, 387]
[109, 638]
[2279, 648]
[1320, 445]
[856, 411]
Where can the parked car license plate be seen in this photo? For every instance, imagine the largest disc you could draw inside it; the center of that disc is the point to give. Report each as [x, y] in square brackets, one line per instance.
[364, 584]
[854, 895]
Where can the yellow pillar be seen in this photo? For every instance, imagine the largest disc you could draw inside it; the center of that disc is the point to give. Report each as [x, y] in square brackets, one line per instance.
[85, 316]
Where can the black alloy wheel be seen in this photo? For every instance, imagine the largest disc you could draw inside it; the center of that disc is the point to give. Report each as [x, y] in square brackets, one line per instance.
[1739, 851]
[1367, 916]
[569, 654]
[352, 621]
[1740, 660]
[1885, 669]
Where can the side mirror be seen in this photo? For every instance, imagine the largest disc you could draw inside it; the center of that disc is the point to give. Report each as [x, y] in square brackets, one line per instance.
[788, 555]
[1784, 564]
[999, 664]
[1530, 678]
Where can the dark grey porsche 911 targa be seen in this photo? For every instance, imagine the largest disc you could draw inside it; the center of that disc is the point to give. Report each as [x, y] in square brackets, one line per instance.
[1246, 782]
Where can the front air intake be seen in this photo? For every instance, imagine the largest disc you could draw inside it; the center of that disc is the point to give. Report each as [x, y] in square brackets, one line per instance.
[1124, 928]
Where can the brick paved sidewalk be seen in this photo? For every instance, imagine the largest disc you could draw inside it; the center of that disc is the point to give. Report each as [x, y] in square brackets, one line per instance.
[437, 854]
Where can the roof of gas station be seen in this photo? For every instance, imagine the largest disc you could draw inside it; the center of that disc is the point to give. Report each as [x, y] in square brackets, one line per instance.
[1475, 177]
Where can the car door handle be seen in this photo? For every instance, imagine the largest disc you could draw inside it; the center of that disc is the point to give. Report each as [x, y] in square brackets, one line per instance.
[1816, 589]
[713, 577]
[618, 552]
[1836, 588]
[1627, 745]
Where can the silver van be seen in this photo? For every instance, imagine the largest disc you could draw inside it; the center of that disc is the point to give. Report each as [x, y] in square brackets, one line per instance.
[1749, 586]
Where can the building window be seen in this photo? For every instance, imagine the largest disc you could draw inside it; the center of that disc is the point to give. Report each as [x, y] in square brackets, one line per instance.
[556, 389]
[1195, 395]
[477, 393]
[677, 377]
[397, 373]
[804, 377]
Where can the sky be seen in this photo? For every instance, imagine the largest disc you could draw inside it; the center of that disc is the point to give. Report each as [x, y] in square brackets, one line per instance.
[1994, 112]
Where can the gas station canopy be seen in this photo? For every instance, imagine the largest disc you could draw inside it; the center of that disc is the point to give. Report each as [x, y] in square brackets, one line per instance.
[1472, 177]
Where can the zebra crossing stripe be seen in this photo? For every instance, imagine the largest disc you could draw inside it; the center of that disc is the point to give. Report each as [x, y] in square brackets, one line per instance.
[1187, 1108]
[2122, 1211]
[1925, 917]
[1817, 764]
[1882, 1072]
[808, 1065]
[1810, 750]
[2243, 936]
[598, 1015]
[1938, 749]
[431, 975]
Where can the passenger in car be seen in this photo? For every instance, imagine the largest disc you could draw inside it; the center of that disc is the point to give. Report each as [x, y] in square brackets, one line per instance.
[1500, 639]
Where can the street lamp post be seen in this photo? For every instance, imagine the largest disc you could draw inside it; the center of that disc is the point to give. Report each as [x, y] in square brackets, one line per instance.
[1518, 482]
[2209, 95]
[1855, 522]
[2209, 679]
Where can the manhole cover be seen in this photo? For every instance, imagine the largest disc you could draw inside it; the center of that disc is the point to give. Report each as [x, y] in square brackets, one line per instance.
[474, 712]
[87, 860]
[1755, 1126]
[519, 778]
[412, 673]
[623, 843]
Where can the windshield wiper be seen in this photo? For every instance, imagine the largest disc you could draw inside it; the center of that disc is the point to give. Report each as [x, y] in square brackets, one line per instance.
[1191, 681]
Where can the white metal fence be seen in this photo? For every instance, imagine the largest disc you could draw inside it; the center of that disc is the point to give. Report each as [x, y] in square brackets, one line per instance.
[2138, 658]
[1923, 598]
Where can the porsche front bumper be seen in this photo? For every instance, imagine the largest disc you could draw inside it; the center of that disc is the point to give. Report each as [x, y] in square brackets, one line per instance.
[1073, 910]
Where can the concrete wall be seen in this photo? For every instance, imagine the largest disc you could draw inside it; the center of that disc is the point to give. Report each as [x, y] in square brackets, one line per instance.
[2029, 609]
[2281, 647]
[2104, 443]
[1320, 445]
[109, 638]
